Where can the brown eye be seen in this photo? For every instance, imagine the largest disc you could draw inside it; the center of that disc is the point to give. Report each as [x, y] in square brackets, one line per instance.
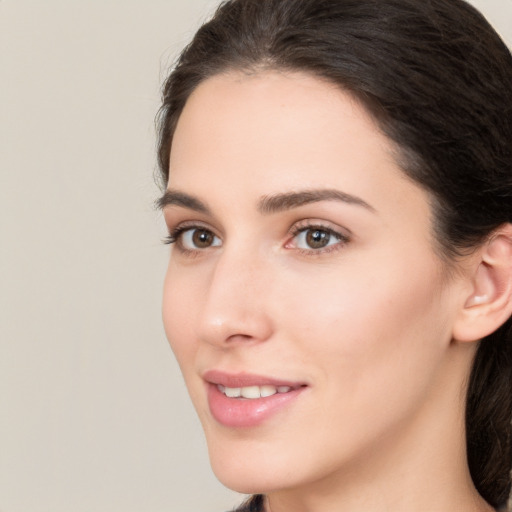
[201, 238]
[198, 238]
[317, 238]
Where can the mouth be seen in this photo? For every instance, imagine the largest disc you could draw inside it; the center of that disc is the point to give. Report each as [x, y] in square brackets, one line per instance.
[253, 392]
[244, 400]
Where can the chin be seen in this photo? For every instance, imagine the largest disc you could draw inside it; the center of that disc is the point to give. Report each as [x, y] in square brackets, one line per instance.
[242, 484]
[247, 472]
[250, 482]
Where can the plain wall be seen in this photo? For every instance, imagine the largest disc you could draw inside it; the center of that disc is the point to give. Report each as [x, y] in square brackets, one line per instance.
[94, 416]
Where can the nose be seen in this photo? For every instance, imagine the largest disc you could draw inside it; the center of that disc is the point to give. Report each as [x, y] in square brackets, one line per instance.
[236, 304]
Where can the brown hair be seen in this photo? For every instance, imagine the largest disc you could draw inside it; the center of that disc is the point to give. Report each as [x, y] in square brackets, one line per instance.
[438, 79]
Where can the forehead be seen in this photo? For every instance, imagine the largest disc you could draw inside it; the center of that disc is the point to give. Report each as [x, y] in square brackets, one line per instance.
[271, 132]
[270, 112]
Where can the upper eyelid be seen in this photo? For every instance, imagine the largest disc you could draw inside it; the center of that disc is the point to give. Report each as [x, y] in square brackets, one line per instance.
[190, 224]
[337, 234]
[321, 224]
[176, 214]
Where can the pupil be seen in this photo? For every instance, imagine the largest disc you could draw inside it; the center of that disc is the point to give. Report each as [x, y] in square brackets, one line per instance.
[317, 239]
[202, 238]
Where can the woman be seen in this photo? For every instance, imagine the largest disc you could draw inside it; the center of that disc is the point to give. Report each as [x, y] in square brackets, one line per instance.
[338, 195]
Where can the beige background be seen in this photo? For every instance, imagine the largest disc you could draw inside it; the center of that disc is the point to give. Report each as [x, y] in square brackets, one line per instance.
[93, 413]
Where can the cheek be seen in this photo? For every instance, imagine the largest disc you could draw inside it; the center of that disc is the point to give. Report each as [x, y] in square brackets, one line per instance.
[372, 333]
[178, 316]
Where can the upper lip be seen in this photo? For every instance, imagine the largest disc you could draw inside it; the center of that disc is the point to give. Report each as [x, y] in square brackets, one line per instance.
[243, 379]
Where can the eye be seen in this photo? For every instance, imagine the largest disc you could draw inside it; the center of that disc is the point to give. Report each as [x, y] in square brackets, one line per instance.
[194, 238]
[316, 239]
[313, 238]
[199, 238]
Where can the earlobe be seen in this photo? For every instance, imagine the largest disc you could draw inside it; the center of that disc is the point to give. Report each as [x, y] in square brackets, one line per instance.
[489, 303]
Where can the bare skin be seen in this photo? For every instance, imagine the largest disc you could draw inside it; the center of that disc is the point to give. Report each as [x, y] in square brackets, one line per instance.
[344, 293]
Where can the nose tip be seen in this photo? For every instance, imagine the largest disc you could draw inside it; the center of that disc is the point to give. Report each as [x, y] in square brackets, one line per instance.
[229, 329]
[234, 308]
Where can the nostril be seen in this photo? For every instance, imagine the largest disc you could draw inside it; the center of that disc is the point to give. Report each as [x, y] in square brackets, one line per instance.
[239, 337]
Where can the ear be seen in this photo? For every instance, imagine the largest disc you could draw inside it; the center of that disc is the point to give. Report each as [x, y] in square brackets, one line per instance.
[489, 302]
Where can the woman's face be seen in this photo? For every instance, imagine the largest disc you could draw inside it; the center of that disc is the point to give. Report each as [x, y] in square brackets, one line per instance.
[303, 277]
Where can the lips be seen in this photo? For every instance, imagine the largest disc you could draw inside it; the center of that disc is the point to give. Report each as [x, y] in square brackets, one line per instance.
[239, 380]
[245, 400]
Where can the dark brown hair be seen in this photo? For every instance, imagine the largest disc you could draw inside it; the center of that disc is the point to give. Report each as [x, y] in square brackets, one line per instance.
[438, 80]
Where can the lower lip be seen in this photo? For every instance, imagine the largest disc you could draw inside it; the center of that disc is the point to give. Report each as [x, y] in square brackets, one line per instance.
[247, 412]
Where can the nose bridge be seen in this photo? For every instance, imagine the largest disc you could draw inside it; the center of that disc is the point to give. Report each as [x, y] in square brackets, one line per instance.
[234, 307]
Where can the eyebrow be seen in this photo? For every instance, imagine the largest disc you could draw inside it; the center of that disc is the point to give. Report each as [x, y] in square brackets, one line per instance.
[267, 204]
[287, 201]
[174, 197]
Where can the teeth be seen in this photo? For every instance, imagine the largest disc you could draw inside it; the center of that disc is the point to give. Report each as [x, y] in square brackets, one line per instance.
[267, 390]
[232, 392]
[252, 392]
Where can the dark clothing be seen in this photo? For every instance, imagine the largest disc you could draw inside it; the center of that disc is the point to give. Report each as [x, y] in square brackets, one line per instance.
[253, 504]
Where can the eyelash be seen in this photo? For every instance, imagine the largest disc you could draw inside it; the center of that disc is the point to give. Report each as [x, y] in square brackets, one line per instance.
[174, 237]
[175, 234]
[342, 239]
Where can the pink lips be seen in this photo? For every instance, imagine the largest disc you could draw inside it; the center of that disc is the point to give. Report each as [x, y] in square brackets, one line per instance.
[243, 412]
